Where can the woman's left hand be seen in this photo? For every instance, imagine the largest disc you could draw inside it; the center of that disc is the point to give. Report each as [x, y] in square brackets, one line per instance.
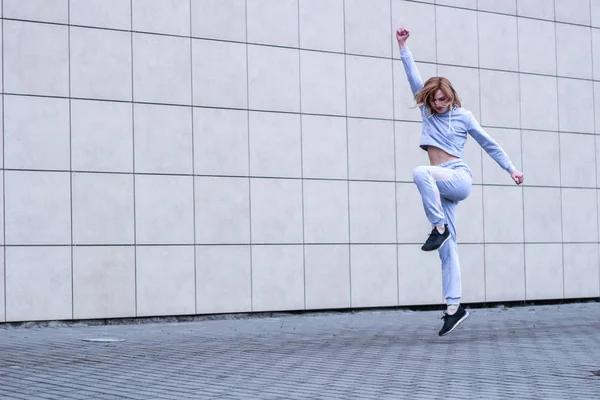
[517, 176]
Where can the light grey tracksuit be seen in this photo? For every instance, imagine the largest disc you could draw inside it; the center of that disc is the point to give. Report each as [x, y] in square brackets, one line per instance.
[443, 186]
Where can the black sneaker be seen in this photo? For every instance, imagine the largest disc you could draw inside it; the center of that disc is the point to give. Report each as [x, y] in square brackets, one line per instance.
[452, 321]
[436, 239]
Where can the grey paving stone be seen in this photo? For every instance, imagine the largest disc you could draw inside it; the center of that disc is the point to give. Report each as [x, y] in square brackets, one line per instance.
[542, 352]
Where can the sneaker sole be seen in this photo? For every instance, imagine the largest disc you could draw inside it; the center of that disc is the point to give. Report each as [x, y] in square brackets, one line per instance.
[457, 324]
[436, 248]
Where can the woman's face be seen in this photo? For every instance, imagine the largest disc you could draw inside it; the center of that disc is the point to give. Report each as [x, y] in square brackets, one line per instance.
[440, 102]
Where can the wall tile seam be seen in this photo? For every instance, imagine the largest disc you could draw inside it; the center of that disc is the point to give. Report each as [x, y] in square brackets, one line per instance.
[485, 295]
[292, 178]
[355, 117]
[516, 15]
[251, 263]
[221, 107]
[324, 243]
[347, 157]
[559, 156]
[521, 156]
[70, 158]
[301, 161]
[346, 53]
[133, 166]
[193, 152]
[392, 28]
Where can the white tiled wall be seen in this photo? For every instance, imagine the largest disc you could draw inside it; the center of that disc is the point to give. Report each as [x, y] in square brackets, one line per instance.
[176, 157]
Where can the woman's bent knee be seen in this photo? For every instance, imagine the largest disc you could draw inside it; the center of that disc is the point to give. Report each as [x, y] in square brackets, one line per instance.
[419, 173]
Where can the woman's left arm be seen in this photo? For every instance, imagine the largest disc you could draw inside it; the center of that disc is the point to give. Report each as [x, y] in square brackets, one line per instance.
[493, 149]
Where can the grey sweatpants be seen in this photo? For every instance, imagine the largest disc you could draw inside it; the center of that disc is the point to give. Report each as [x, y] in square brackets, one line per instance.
[442, 187]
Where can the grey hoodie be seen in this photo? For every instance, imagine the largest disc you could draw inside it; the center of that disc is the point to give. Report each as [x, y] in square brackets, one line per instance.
[448, 131]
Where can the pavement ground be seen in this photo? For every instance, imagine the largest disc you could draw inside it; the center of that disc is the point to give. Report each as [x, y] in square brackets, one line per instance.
[526, 352]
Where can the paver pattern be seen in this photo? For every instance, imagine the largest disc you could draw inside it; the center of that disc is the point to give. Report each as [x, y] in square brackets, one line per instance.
[529, 352]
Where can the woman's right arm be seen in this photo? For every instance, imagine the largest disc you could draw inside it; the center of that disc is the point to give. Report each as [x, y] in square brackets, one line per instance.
[412, 73]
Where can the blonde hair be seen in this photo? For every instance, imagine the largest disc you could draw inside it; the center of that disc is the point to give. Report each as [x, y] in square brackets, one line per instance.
[424, 96]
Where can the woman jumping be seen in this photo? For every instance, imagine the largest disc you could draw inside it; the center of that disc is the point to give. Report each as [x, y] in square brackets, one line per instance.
[447, 180]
